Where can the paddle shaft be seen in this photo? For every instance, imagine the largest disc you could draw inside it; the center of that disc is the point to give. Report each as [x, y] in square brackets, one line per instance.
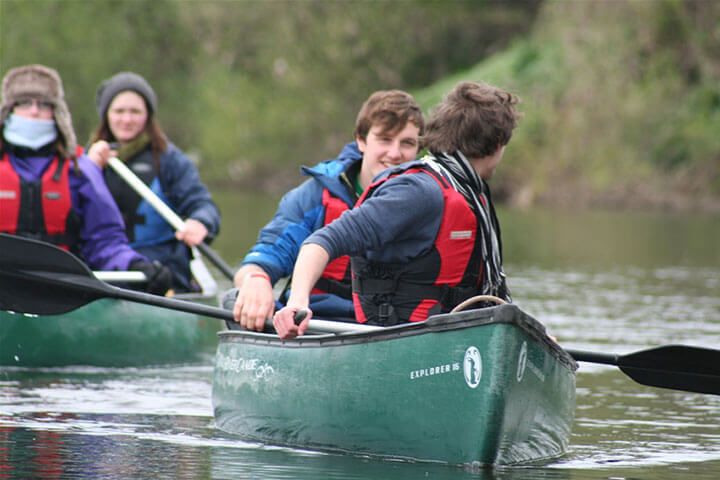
[323, 326]
[166, 212]
[215, 259]
[593, 357]
[118, 276]
[98, 289]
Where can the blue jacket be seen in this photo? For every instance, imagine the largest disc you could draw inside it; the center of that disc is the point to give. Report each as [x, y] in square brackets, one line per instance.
[102, 244]
[299, 214]
[179, 185]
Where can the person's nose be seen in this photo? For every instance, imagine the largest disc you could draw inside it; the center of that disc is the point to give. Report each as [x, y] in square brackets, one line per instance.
[34, 109]
[394, 151]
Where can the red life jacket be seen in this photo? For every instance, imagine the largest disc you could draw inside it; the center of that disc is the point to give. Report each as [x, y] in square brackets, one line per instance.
[336, 277]
[387, 294]
[41, 209]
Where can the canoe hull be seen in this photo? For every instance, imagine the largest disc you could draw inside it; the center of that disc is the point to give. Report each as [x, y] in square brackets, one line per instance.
[108, 333]
[481, 387]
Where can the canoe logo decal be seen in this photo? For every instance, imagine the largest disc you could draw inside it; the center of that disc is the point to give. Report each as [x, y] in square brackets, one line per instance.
[472, 367]
[522, 362]
[251, 366]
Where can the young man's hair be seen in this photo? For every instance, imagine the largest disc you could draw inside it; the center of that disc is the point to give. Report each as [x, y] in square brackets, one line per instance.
[391, 109]
[474, 118]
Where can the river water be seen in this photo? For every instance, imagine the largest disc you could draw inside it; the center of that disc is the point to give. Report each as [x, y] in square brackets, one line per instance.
[609, 282]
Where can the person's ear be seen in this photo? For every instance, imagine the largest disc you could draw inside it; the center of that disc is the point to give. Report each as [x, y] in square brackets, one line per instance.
[361, 143]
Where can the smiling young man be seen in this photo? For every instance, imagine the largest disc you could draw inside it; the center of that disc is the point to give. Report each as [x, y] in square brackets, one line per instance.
[387, 133]
[424, 236]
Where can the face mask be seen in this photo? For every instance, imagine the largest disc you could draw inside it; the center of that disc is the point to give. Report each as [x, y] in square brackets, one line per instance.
[29, 132]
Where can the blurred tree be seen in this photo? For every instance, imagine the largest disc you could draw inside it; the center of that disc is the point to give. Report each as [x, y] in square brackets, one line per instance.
[256, 88]
[250, 85]
[88, 41]
[288, 77]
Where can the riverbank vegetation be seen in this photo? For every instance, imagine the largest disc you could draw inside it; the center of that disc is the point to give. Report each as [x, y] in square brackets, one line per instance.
[621, 99]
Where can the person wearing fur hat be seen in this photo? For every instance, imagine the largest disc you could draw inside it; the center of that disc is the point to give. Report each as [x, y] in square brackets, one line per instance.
[129, 129]
[49, 190]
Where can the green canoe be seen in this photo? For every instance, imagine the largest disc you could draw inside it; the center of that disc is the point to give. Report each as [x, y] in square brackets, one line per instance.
[108, 332]
[481, 387]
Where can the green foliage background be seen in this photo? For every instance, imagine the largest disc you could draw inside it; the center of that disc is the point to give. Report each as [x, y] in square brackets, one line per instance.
[621, 99]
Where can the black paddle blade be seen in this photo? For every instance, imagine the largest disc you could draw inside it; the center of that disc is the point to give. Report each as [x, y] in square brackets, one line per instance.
[39, 278]
[678, 367]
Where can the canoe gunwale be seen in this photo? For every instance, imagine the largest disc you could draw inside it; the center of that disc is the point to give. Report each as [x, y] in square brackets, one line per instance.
[508, 314]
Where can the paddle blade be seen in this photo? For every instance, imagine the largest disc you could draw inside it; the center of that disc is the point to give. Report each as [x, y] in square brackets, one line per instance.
[678, 367]
[202, 274]
[39, 278]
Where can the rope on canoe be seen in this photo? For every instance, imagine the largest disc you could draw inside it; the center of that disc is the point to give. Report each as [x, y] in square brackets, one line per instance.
[477, 299]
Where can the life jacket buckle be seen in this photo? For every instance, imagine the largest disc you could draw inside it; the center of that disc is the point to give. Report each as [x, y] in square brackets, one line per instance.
[385, 312]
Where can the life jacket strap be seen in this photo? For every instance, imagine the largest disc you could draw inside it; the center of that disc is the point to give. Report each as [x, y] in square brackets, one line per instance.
[334, 287]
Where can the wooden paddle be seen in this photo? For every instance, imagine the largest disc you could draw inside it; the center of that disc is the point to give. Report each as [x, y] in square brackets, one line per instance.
[39, 278]
[166, 212]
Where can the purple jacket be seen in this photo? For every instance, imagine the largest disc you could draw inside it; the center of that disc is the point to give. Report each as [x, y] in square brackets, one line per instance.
[103, 243]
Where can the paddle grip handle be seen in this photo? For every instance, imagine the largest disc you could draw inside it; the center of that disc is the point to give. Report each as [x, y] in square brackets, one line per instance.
[300, 316]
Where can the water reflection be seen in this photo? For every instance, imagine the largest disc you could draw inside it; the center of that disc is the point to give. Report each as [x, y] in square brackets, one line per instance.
[626, 307]
[620, 422]
[105, 450]
[182, 390]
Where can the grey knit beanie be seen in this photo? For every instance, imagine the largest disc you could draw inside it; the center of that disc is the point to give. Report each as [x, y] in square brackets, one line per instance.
[39, 82]
[119, 83]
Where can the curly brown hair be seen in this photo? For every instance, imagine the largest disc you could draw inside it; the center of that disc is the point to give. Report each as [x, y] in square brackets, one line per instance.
[474, 118]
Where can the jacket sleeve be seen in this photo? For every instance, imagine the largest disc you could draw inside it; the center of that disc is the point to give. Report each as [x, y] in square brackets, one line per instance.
[103, 243]
[400, 221]
[299, 214]
[189, 197]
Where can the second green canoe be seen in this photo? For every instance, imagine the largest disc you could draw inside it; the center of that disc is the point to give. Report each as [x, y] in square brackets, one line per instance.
[108, 333]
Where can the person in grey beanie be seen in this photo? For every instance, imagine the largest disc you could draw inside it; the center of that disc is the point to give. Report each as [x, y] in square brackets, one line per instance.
[129, 130]
[50, 190]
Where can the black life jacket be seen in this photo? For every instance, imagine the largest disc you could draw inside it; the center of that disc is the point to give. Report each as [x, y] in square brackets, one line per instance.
[41, 209]
[144, 226]
[387, 294]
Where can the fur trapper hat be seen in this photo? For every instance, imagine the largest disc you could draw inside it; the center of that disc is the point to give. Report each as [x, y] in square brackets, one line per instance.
[121, 82]
[39, 82]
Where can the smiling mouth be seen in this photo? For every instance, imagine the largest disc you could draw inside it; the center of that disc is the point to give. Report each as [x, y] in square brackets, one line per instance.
[391, 164]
